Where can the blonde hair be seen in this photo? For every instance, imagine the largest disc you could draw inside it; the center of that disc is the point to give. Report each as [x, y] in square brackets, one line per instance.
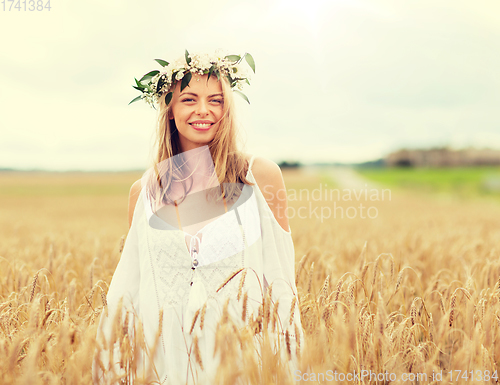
[229, 163]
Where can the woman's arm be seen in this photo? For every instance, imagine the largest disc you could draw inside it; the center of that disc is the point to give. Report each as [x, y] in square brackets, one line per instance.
[135, 190]
[279, 254]
[270, 180]
[122, 298]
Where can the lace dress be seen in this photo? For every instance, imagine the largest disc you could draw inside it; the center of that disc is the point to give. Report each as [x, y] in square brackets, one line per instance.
[157, 271]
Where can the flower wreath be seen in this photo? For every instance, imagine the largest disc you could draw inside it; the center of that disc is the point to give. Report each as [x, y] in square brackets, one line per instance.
[157, 82]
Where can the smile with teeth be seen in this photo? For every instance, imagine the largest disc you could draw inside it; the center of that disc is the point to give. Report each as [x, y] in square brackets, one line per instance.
[201, 125]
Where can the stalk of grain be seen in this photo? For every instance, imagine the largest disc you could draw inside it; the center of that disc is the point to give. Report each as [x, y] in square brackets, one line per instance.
[399, 280]
[288, 348]
[300, 266]
[363, 272]
[375, 272]
[267, 309]
[338, 288]
[103, 298]
[33, 285]
[244, 309]
[194, 321]
[362, 256]
[122, 243]
[309, 284]
[229, 279]
[392, 269]
[325, 287]
[270, 291]
[350, 291]
[413, 311]
[292, 309]
[197, 354]
[275, 316]
[381, 315]
[431, 328]
[242, 282]
[202, 317]
[452, 311]
[297, 339]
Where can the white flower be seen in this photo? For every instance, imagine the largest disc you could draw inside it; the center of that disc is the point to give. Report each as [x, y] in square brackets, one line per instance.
[167, 73]
[240, 70]
[203, 62]
[200, 63]
[179, 63]
[155, 79]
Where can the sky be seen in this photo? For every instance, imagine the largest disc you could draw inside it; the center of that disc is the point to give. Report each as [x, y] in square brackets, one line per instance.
[335, 81]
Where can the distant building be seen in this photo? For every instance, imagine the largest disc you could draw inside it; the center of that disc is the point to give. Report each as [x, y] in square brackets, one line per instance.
[443, 157]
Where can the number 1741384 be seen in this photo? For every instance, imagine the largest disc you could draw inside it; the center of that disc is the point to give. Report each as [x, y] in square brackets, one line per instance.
[25, 5]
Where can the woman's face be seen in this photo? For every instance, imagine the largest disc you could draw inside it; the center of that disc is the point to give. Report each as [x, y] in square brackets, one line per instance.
[197, 111]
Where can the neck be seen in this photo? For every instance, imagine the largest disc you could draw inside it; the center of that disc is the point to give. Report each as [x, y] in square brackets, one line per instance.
[200, 166]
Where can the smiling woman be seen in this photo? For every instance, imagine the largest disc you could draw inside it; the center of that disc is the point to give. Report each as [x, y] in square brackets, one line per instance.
[195, 272]
[197, 111]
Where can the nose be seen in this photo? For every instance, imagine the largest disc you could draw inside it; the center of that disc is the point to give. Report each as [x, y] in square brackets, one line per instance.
[202, 108]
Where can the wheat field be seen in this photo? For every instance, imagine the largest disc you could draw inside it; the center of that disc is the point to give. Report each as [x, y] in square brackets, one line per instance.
[413, 291]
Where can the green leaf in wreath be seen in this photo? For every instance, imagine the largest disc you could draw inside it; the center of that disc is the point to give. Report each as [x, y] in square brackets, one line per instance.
[242, 95]
[139, 84]
[210, 72]
[137, 88]
[149, 75]
[163, 63]
[161, 83]
[168, 98]
[135, 99]
[188, 59]
[233, 57]
[186, 79]
[250, 61]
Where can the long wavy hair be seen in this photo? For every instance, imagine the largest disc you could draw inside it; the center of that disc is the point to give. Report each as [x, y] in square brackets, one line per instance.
[229, 164]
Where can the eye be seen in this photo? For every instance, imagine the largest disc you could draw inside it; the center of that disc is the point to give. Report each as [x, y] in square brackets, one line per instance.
[217, 101]
[187, 100]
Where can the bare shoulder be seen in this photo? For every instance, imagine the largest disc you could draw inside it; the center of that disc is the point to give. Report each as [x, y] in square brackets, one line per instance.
[247, 157]
[266, 170]
[270, 181]
[135, 190]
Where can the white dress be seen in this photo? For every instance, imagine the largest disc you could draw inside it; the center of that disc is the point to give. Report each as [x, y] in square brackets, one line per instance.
[156, 272]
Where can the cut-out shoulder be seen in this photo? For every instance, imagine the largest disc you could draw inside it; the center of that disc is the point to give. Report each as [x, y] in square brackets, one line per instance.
[250, 159]
[268, 176]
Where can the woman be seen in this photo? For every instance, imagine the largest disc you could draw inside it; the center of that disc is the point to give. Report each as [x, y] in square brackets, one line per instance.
[194, 268]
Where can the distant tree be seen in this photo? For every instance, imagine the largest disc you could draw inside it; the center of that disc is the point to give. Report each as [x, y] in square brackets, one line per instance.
[286, 164]
[372, 163]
